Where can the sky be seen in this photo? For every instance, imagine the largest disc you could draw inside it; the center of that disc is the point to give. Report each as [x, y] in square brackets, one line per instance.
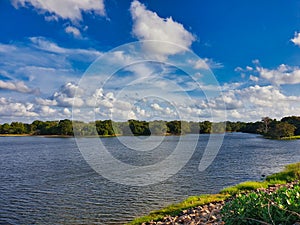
[149, 59]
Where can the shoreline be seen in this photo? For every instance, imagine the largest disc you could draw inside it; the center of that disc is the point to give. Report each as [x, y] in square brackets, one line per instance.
[208, 207]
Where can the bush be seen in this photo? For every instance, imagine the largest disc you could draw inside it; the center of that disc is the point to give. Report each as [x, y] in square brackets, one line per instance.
[279, 207]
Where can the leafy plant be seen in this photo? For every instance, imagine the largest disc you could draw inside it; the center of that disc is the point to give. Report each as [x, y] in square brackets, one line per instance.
[279, 207]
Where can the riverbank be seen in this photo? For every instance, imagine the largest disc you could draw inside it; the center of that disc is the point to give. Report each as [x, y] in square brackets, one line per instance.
[207, 209]
[291, 138]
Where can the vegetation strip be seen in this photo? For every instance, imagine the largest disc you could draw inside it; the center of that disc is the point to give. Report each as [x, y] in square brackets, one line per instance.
[276, 200]
[287, 128]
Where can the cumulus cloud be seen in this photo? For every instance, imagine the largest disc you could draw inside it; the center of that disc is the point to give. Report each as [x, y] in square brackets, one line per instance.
[296, 39]
[283, 74]
[16, 109]
[147, 25]
[65, 96]
[73, 31]
[19, 86]
[66, 9]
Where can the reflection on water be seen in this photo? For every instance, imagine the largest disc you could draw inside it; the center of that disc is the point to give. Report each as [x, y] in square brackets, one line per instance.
[47, 181]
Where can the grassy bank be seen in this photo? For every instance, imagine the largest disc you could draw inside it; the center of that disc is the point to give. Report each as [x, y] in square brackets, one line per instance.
[290, 173]
[291, 138]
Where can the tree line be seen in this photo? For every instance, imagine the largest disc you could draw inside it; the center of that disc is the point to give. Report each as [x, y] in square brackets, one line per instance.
[271, 128]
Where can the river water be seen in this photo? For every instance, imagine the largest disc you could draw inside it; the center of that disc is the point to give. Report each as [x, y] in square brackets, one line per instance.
[47, 180]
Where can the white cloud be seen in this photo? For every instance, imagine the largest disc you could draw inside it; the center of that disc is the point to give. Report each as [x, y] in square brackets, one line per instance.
[254, 78]
[147, 25]
[43, 63]
[44, 44]
[249, 68]
[17, 86]
[296, 39]
[65, 9]
[283, 74]
[16, 109]
[65, 96]
[156, 107]
[73, 31]
[206, 63]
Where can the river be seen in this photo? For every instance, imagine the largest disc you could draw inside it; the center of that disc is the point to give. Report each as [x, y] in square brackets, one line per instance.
[47, 180]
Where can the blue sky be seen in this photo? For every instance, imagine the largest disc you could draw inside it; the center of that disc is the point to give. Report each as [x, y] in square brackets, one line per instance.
[251, 47]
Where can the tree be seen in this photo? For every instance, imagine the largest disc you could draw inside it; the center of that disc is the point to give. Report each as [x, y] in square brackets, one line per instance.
[158, 127]
[5, 129]
[266, 121]
[174, 127]
[18, 128]
[293, 120]
[281, 129]
[205, 127]
[65, 127]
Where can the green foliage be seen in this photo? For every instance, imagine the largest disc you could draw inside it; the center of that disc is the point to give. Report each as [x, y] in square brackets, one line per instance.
[286, 129]
[105, 127]
[279, 130]
[279, 207]
[65, 127]
[293, 120]
[253, 128]
[158, 127]
[139, 127]
[174, 127]
[205, 127]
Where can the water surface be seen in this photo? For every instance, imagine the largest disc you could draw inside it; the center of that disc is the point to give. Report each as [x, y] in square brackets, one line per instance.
[47, 181]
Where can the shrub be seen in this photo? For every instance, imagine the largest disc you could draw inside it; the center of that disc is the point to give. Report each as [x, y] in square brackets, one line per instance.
[279, 207]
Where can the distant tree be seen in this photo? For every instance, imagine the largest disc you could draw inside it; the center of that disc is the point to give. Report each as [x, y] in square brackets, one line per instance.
[17, 128]
[174, 127]
[205, 127]
[266, 121]
[185, 127]
[6, 129]
[218, 127]
[158, 127]
[195, 127]
[65, 127]
[293, 120]
[279, 130]
[234, 126]
[139, 127]
[105, 127]
[254, 128]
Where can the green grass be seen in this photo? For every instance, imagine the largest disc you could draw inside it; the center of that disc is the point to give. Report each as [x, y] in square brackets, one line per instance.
[245, 186]
[175, 209]
[290, 173]
[291, 138]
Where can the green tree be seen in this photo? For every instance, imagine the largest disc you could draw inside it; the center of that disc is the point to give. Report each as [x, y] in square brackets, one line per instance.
[174, 127]
[139, 127]
[65, 127]
[158, 127]
[293, 120]
[205, 127]
[195, 127]
[6, 129]
[18, 128]
[281, 129]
